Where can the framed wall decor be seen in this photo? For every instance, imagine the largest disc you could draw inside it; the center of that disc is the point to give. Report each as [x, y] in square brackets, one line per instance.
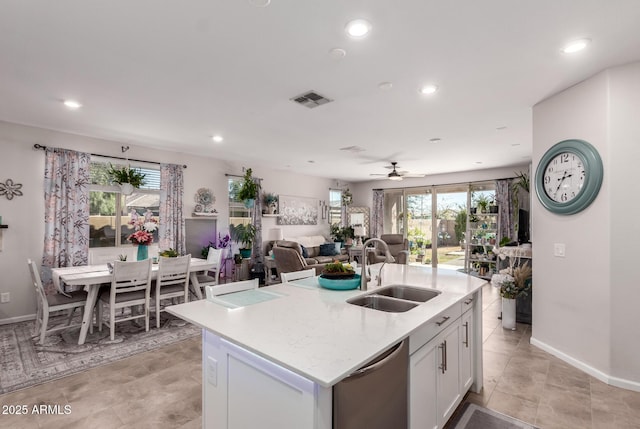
[298, 211]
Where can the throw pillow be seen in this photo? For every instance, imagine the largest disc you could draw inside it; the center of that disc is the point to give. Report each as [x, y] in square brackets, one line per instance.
[328, 249]
[305, 253]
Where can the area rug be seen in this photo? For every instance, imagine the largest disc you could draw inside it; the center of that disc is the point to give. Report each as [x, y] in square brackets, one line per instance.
[472, 416]
[25, 363]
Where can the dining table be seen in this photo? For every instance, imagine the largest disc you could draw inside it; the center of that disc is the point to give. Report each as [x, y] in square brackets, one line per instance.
[91, 277]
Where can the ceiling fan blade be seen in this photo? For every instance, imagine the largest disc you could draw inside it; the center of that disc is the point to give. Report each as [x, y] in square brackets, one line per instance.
[413, 175]
[375, 174]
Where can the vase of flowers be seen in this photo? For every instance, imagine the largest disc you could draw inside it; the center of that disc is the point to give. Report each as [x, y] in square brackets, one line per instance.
[143, 235]
[513, 283]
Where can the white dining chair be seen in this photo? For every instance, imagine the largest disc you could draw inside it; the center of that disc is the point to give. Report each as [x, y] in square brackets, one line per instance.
[297, 275]
[205, 279]
[227, 288]
[130, 287]
[48, 304]
[172, 282]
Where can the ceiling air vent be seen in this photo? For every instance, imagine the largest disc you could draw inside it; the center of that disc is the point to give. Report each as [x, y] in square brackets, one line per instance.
[311, 99]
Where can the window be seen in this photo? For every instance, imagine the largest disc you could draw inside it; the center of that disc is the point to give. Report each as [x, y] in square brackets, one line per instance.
[110, 211]
[335, 206]
[238, 213]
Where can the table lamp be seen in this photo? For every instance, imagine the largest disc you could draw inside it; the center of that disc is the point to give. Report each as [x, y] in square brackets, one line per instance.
[358, 231]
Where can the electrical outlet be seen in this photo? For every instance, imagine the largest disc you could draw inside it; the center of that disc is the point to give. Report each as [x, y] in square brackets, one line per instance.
[559, 250]
[5, 297]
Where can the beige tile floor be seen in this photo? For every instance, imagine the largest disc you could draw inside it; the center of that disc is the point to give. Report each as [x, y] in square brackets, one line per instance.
[162, 389]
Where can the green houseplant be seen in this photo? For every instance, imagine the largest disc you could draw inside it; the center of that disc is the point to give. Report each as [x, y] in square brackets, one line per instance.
[249, 189]
[126, 177]
[243, 234]
[482, 202]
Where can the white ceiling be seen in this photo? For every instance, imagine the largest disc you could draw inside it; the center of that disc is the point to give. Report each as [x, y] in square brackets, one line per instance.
[171, 74]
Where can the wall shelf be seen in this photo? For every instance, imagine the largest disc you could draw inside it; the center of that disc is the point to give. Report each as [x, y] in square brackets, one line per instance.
[271, 215]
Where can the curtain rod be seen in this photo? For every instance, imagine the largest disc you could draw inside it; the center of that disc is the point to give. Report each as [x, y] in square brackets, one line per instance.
[445, 184]
[240, 175]
[124, 149]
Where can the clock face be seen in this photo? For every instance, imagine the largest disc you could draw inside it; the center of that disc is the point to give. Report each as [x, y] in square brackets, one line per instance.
[564, 177]
[568, 177]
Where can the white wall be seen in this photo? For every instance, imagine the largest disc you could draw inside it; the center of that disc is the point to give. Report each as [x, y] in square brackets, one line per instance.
[23, 164]
[584, 303]
[624, 134]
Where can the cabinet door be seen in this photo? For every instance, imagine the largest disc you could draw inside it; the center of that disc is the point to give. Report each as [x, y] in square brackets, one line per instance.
[466, 351]
[448, 383]
[422, 387]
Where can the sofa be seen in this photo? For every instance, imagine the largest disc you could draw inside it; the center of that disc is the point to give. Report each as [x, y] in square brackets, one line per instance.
[302, 253]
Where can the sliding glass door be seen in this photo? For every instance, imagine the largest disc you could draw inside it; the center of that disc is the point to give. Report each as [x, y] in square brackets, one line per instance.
[451, 226]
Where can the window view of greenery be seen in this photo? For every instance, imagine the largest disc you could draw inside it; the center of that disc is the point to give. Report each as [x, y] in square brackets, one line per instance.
[335, 206]
[238, 213]
[448, 237]
[110, 211]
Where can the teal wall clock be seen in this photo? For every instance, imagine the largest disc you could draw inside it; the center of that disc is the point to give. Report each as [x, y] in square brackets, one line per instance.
[569, 176]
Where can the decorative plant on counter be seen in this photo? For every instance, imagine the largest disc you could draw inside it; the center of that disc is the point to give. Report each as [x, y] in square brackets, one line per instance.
[338, 270]
[249, 189]
[244, 235]
[126, 177]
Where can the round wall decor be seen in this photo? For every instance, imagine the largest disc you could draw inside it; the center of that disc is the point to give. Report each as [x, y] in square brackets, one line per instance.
[569, 176]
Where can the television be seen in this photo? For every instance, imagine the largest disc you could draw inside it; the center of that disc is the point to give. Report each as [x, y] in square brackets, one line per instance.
[523, 226]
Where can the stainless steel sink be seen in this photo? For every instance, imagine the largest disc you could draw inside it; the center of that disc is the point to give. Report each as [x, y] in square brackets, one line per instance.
[409, 293]
[382, 303]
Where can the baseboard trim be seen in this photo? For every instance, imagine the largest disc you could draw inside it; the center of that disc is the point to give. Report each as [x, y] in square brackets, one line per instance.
[17, 319]
[594, 372]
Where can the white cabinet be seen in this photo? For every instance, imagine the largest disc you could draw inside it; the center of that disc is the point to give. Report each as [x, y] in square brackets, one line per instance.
[442, 370]
[243, 390]
[466, 350]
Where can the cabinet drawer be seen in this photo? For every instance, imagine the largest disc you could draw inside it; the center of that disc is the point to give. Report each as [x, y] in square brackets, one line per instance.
[467, 302]
[426, 332]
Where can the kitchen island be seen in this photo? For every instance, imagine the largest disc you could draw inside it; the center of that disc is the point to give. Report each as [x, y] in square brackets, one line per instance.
[274, 363]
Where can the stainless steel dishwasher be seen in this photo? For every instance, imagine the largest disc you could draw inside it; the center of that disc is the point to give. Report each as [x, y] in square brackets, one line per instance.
[375, 396]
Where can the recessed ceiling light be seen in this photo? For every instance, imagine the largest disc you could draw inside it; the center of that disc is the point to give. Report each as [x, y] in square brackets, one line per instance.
[428, 89]
[337, 53]
[358, 28]
[217, 138]
[72, 104]
[435, 139]
[260, 3]
[576, 46]
[385, 86]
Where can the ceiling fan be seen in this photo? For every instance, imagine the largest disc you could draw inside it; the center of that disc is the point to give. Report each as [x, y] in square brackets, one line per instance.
[397, 175]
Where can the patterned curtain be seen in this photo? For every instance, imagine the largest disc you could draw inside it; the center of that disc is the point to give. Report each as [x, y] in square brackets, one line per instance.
[172, 230]
[66, 211]
[256, 253]
[504, 199]
[377, 213]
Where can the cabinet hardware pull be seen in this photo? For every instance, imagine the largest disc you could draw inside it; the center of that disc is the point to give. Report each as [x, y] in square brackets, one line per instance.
[444, 319]
[469, 301]
[466, 334]
[443, 357]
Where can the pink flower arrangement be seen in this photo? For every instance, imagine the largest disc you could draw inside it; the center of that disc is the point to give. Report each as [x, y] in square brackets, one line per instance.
[144, 231]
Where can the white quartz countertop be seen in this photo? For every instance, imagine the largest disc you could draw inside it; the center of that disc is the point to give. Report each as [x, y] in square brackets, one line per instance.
[316, 333]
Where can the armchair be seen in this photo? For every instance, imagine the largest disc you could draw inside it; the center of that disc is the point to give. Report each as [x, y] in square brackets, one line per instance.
[398, 247]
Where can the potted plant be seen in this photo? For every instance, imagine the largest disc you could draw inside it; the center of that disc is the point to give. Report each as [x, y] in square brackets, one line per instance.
[249, 189]
[270, 201]
[482, 202]
[126, 177]
[243, 234]
[493, 206]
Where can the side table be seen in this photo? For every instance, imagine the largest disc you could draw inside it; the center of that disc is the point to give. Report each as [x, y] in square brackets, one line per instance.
[355, 253]
[270, 264]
